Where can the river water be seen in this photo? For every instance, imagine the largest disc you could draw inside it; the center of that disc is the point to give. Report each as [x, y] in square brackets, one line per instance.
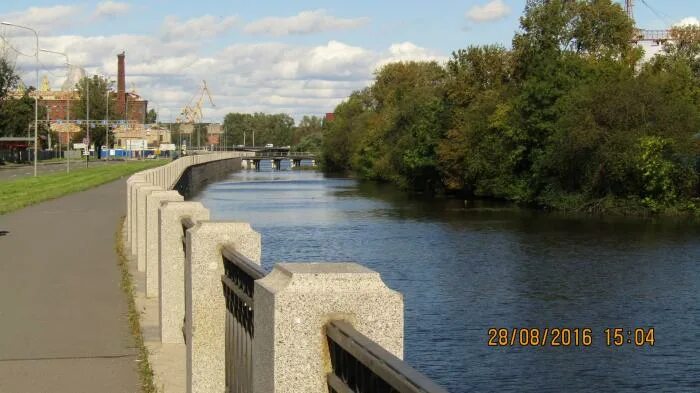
[463, 270]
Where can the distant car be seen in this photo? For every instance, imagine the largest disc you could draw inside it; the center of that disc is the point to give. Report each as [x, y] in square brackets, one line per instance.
[269, 145]
[240, 146]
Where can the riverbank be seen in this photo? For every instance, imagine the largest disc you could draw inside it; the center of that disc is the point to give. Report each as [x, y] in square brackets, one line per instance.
[22, 192]
[563, 203]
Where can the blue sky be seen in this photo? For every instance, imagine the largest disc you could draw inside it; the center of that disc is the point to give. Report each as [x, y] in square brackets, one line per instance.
[297, 57]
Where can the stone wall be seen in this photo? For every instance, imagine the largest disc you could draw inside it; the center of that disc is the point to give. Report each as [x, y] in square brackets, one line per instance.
[196, 177]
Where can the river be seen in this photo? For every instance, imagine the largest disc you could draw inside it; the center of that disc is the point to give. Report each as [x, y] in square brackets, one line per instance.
[464, 270]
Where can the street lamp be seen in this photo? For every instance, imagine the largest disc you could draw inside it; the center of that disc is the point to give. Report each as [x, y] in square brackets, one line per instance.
[68, 64]
[36, 91]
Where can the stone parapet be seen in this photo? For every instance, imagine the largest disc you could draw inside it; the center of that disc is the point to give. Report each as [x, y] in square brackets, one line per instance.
[205, 305]
[294, 303]
[153, 205]
[172, 266]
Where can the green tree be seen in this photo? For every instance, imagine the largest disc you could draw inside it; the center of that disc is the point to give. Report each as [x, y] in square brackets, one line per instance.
[151, 116]
[263, 128]
[8, 79]
[97, 88]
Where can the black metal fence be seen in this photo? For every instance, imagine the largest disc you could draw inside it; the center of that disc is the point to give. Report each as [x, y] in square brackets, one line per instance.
[238, 282]
[27, 155]
[359, 365]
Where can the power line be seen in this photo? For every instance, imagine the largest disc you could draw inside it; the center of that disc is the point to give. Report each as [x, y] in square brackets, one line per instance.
[661, 15]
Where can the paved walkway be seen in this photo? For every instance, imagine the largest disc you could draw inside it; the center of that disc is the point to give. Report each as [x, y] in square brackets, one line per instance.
[63, 316]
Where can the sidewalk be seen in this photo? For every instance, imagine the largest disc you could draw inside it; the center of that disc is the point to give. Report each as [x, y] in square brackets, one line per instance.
[63, 316]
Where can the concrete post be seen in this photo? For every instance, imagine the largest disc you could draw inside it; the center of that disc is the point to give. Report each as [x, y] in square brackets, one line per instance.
[129, 186]
[153, 203]
[172, 266]
[205, 305]
[141, 195]
[134, 216]
[294, 303]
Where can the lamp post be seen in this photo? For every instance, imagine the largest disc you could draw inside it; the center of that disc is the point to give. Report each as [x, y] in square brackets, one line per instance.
[109, 84]
[87, 119]
[36, 91]
[67, 105]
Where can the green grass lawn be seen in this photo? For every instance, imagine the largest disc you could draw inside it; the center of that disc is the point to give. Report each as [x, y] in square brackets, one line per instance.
[16, 194]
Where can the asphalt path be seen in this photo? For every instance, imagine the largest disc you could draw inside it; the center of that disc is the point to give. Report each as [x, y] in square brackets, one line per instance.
[63, 316]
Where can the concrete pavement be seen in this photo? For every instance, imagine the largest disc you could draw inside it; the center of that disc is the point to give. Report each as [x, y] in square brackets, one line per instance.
[63, 316]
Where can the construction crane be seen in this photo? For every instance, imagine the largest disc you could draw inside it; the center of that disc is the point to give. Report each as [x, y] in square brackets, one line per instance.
[655, 36]
[192, 112]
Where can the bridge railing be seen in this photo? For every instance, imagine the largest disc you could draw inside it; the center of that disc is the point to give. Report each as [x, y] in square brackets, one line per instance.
[238, 282]
[360, 365]
[290, 154]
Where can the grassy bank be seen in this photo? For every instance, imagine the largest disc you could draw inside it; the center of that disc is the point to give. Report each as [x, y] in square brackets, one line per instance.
[16, 194]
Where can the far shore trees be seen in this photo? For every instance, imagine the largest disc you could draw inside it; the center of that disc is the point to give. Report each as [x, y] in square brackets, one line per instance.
[569, 118]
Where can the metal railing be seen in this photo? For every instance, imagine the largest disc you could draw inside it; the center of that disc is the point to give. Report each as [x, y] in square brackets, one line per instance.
[359, 365]
[292, 154]
[238, 282]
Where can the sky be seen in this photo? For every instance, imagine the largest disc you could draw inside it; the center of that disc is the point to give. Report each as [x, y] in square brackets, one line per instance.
[298, 57]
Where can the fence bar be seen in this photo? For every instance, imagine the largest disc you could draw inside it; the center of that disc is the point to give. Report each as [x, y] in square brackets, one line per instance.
[377, 371]
[238, 283]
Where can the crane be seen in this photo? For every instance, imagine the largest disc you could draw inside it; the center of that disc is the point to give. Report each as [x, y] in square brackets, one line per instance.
[192, 113]
[656, 36]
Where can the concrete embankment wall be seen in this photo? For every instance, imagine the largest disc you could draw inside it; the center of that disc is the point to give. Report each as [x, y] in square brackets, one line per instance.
[196, 177]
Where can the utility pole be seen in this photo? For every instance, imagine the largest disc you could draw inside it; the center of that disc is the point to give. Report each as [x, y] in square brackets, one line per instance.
[87, 115]
[107, 125]
[629, 8]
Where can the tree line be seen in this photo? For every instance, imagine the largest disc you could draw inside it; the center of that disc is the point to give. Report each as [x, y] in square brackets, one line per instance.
[278, 129]
[571, 117]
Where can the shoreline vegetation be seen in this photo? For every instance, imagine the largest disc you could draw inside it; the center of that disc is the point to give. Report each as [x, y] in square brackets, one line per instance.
[573, 117]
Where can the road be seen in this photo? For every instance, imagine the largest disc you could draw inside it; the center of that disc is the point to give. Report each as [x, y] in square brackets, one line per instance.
[42, 169]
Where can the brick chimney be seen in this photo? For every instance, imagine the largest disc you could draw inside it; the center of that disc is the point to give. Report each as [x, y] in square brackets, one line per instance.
[121, 85]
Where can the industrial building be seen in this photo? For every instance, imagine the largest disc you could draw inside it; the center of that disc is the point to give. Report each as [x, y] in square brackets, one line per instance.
[58, 103]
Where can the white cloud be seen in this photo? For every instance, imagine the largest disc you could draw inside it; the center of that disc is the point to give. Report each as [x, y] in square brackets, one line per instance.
[408, 51]
[305, 22]
[42, 19]
[111, 9]
[167, 69]
[689, 21]
[206, 26]
[493, 10]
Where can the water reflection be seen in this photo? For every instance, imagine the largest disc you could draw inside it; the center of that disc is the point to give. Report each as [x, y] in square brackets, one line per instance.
[464, 269]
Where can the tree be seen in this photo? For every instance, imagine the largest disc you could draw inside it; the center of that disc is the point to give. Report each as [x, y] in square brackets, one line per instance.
[17, 115]
[151, 116]
[569, 118]
[97, 88]
[265, 128]
[8, 79]
[308, 135]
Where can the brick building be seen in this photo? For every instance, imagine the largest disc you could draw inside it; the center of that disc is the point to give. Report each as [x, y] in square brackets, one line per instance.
[58, 104]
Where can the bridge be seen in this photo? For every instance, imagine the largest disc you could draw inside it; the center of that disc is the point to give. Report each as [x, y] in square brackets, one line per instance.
[299, 327]
[279, 160]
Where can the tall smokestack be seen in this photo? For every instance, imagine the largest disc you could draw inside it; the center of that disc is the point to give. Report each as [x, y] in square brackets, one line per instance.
[121, 85]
